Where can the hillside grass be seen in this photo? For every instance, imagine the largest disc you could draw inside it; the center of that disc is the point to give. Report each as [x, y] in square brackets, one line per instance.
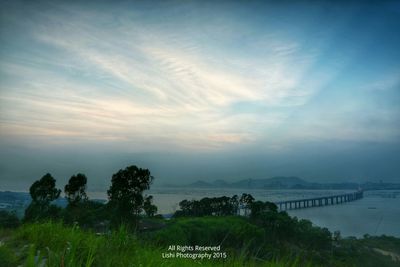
[54, 244]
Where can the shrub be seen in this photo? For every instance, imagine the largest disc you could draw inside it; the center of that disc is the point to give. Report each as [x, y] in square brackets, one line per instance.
[8, 219]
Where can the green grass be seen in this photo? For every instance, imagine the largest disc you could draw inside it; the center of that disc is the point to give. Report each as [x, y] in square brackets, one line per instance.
[54, 244]
[7, 257]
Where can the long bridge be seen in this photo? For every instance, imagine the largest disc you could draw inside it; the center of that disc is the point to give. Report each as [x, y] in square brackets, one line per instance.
[319, 201]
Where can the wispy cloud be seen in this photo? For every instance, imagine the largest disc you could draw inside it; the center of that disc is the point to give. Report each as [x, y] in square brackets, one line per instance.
[126, 79]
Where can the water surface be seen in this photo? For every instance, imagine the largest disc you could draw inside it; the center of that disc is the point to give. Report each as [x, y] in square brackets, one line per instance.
[376, 214]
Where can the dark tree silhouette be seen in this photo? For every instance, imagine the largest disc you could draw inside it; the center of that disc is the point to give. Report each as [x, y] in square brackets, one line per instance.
[43, 192]
[215, 206]
[126, 193]
[234, 201]
[75, 189]
[259, 207]
[245, 201]
[148, 206]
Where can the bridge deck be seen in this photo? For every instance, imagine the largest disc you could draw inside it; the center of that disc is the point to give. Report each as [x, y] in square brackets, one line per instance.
[319, 201]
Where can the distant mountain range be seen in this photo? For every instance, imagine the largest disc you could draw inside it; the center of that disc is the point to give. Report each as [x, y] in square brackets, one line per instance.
[282, 182]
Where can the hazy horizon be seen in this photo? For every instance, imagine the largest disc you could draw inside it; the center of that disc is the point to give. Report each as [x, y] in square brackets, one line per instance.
[196, 90]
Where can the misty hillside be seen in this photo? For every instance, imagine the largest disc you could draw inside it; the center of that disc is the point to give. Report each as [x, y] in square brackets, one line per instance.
[274, 182]
[283, 182]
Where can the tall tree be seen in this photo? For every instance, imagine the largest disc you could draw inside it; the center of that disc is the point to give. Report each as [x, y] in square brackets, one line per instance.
[245, 201]
[126, 193]
[149, 208]
[75, 189]
[235, 204]
[43, 192]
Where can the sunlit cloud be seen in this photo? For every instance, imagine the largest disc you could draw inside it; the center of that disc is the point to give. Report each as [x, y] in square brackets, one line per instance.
[133, 80]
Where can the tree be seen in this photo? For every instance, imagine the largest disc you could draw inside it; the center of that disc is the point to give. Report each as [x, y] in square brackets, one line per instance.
[75, 189]
[256, 208]
[215, 206]
[43, 192]
[270, 206]
[235, 204]
[87, 214]
[245, 201]
[186, 208]
[78, 203]
[148, 206]
[126, 193]
[337, 236]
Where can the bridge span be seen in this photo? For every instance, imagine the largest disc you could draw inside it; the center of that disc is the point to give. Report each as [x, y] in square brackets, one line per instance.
[319, 201]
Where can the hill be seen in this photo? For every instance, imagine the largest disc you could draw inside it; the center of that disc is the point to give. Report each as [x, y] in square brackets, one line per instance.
[291, 182]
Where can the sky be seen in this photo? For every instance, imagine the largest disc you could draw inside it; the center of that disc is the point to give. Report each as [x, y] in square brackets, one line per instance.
[199, 90]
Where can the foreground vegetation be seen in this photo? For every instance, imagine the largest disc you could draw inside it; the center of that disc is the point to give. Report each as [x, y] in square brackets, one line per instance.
[56, 244]
[127, 232]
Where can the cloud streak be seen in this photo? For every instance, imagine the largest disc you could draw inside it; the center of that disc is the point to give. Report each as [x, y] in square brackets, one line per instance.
[134, 80]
